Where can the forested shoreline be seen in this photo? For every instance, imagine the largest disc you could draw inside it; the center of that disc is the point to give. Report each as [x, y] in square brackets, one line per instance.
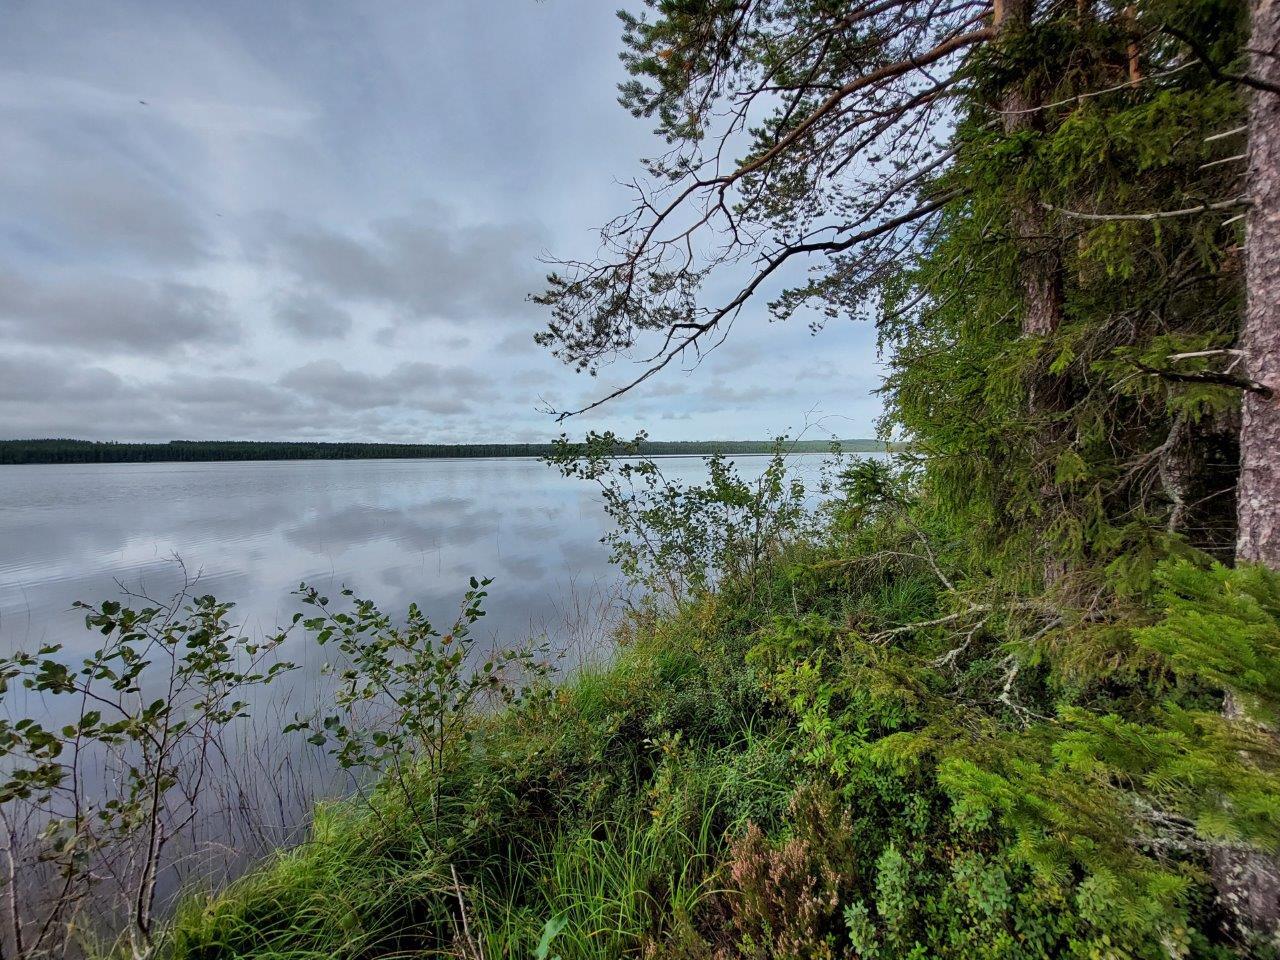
[190, 451]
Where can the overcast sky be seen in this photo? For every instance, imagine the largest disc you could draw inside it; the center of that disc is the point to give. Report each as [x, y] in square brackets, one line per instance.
[310, 219]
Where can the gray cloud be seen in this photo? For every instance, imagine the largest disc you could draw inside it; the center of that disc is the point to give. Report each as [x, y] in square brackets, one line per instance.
[734, 356]
[325, 224]
[102, 209]
[517, 343]
[721, 395]
[41, 395]
[424, 386]
[230, 392]
[113, 314]
[312, 316]
[425, 266]
[35, 380]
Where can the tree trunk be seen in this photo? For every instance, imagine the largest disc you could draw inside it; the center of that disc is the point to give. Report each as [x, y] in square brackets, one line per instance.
[1258, 538]
[1249, 883]
[1039, 263]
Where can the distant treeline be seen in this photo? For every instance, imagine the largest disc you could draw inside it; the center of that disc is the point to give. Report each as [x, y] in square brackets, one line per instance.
[90, 451]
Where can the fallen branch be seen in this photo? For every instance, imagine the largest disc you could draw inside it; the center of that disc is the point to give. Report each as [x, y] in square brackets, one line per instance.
[948, 659]
[1006, 692]
[986, 608]
[925, 624]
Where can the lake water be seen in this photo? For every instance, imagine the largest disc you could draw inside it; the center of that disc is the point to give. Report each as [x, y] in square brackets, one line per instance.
[397, 531]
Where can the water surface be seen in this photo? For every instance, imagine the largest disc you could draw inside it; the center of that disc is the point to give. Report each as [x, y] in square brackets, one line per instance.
[396, 530]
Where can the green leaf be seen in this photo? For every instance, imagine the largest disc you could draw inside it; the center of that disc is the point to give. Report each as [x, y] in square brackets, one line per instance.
[550, 930]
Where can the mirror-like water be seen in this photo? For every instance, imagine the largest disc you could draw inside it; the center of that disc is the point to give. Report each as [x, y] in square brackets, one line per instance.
[397, 530]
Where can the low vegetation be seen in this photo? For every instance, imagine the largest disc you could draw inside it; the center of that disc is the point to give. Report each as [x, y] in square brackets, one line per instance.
[829, 752]
[831, 749]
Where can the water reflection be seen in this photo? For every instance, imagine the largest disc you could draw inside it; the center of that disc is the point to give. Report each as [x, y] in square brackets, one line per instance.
[395, 530]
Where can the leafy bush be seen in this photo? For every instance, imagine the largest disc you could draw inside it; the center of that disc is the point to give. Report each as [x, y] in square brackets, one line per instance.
[89, 809]
[686, 538]
[407, 691]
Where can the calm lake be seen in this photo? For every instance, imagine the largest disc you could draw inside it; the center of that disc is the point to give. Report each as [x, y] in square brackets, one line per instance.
[397, 531]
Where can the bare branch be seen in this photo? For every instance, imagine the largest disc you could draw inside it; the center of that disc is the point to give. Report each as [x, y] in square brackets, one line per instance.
[771, 265]
[1155, 215]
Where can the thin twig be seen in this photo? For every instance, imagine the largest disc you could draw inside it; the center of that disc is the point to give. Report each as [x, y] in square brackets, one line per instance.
[470, 943]
[1211, 377]
[1226, 133]
[1217, 163]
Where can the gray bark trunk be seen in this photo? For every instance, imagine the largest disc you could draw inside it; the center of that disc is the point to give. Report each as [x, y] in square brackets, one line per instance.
[1258, 537]
[1249, 883]
[1039, 262]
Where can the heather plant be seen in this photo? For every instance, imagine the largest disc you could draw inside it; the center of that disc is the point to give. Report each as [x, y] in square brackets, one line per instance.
[787, 894]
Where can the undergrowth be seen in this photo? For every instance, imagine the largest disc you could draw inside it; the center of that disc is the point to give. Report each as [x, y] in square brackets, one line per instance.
[834, 756]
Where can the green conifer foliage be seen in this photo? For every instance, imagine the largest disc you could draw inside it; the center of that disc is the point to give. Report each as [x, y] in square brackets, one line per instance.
[1115, 429]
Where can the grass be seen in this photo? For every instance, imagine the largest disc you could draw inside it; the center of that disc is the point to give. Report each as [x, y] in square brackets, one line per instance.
[598, 810]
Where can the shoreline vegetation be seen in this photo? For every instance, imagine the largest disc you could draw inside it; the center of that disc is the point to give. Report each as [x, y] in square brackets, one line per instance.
[810, 740]
[195, 451]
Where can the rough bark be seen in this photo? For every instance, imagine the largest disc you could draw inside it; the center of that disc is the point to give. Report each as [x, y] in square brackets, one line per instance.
[1197, 467]
[1039, 263]
[1258, 538]
[1132, 50]
[1249, 883]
